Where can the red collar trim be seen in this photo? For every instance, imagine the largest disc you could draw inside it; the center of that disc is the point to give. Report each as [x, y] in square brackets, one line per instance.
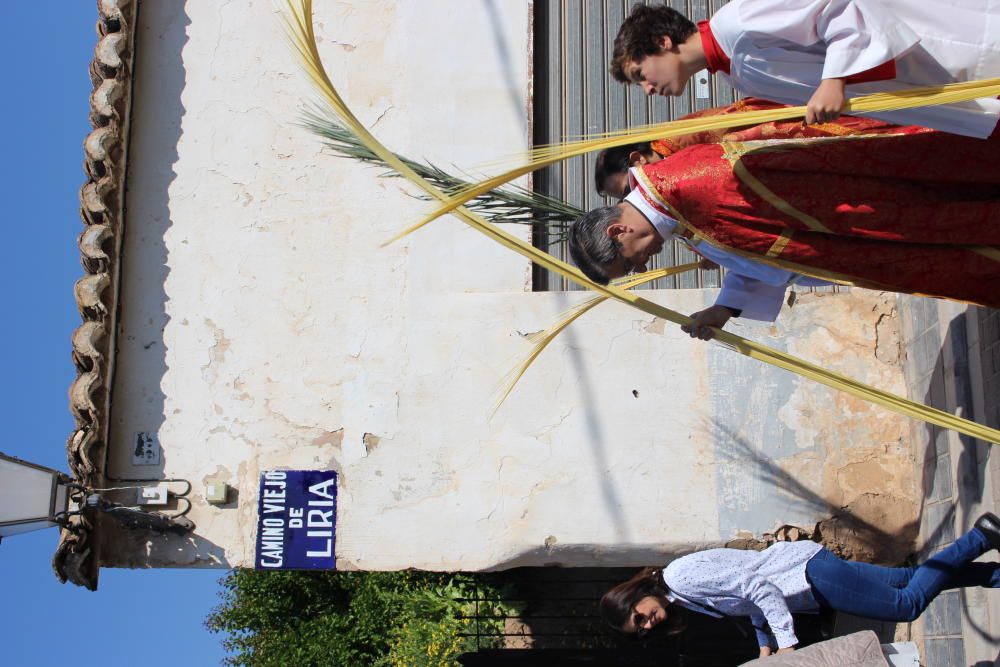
[717, 59]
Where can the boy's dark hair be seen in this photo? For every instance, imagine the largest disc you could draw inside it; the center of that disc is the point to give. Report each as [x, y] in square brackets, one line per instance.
[642, 32]
[615, 160]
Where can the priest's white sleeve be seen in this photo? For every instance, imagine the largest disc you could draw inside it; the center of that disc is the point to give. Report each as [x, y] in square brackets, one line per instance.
[758, 300]
[858, 34]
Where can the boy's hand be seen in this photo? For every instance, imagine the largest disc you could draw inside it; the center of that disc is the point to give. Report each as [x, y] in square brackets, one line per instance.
[703, 320]
[826, 102]
[764, 651]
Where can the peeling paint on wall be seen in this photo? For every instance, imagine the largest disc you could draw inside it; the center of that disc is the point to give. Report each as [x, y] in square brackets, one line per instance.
[291, 339]
[825, 452]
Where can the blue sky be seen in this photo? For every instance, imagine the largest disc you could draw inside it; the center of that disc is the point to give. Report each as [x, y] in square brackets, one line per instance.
[149, 617]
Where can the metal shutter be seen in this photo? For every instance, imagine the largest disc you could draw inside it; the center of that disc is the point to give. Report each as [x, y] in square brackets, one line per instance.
[575, 95]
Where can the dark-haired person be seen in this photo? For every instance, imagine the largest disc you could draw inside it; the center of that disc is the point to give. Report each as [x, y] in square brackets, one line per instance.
[757, 296]
[749, 289]
[767, 586]
[820, 52]
[637, 228]
[612, 165]
[913, 211]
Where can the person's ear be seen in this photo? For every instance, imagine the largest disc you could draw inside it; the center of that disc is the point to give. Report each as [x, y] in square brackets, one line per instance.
[616, 229]
[635, 158]
[666, 44]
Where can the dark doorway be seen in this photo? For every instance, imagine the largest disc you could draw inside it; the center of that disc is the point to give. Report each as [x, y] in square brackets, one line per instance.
[552, 618]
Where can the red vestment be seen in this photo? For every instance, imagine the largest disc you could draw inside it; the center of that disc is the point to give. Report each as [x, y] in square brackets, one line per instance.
[914, 210]
[784, 129]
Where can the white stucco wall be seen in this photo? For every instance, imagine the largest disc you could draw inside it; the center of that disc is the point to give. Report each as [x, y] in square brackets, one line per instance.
[263, 327]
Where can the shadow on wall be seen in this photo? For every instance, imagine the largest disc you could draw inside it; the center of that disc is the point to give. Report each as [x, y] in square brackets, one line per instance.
[597, 439]
[147, 549]
[851, 532]
[137, 409]
[514, 88]
[854, 532]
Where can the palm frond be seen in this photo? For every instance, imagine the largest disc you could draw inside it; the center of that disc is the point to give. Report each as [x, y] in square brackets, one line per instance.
[541, 339]
[303, 40]
[543, 156]
[510, 204]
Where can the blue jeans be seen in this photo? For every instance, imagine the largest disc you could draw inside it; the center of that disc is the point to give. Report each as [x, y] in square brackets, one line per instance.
[900, 593]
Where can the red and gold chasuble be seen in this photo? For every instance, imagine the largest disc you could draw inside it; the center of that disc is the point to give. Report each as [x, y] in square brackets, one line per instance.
[786, 129]
[913, 210]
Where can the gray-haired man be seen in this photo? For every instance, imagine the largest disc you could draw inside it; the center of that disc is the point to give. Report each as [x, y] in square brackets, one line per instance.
[614, 241]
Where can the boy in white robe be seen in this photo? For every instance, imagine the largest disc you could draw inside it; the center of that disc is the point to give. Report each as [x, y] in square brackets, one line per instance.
[821, 52]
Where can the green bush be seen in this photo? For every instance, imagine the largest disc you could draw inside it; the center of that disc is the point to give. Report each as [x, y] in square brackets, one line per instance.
[383, 619]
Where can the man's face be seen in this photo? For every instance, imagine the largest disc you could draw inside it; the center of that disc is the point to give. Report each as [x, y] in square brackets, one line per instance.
[660, 74]
[638, 240]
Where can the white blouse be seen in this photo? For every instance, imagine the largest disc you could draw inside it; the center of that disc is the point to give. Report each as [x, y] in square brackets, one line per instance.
[781, 49]
[765, 585]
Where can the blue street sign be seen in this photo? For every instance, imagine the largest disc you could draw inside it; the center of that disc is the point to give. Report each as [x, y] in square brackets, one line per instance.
[296, 520]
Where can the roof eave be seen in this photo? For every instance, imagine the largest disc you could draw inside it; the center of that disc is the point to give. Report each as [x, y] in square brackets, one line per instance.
[102, 200]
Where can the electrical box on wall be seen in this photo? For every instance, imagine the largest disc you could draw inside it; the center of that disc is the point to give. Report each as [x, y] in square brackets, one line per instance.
[146, 449]
[216, 492]
[152, 495]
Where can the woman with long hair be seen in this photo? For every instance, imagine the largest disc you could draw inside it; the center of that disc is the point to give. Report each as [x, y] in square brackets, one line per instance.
[767, 586]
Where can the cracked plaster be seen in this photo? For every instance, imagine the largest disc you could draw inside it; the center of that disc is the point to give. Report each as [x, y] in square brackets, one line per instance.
[290, 338]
